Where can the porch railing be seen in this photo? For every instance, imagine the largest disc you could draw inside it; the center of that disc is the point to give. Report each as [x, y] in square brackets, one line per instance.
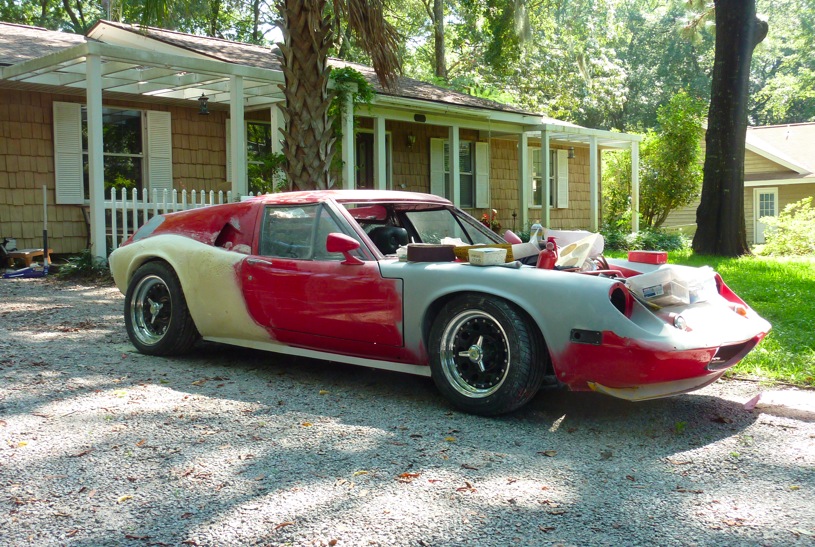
[125, 213]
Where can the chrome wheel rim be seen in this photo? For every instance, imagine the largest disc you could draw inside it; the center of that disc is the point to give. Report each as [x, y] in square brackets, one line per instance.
[475, 354]
[150, 309]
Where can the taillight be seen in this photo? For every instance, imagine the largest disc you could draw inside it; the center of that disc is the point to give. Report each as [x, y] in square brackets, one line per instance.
[621, 299]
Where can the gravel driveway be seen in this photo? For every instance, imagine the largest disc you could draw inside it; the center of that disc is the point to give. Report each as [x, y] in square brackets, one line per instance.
[100, 445]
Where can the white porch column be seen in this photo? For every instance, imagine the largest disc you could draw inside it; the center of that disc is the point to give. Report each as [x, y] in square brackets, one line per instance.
[278, 123]
[96, 166]
[635, 186]
[594, 206]
[240, 187]
[523, 180]
[380, 155]
[349, 179]
[546, 167]
[455, 166]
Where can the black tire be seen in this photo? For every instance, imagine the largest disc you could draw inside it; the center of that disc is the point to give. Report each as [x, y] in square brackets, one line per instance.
[486, 356]
[157, 319]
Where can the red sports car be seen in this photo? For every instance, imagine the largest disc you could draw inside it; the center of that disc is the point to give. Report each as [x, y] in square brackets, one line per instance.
[316, 274]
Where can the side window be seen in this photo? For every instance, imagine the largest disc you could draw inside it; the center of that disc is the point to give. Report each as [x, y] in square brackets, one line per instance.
[298, 232]
[288, 231]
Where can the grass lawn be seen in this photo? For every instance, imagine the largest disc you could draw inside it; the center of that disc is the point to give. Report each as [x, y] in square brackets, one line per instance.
[782, 290]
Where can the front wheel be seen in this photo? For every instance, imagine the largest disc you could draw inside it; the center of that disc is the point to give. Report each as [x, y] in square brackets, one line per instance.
[489, 359]
[157, 319]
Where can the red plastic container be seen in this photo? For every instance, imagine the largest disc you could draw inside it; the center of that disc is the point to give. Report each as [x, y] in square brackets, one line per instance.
[648, 257]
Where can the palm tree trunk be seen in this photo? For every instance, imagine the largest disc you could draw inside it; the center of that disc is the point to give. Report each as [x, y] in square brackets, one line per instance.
[308, 140]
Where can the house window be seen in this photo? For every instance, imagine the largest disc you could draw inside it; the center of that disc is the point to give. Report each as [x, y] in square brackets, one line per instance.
[474, 172]
[558, 178]
[136, 151]
[122, 146]
[466, 173]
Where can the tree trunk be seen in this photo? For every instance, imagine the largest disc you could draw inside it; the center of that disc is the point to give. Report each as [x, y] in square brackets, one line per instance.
[720, 216]
[308, 140]
[438, 39]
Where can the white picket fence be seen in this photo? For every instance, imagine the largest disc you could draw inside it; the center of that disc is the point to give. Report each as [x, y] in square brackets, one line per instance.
[125, 213]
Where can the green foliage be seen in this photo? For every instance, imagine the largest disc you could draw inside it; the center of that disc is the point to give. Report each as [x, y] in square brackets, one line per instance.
[86, 267]
[670, 167]
[645, 240]
[266, 174]
[792, 233]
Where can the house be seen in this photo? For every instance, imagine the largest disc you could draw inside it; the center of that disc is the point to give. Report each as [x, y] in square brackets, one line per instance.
[121, 109]
[779, 169]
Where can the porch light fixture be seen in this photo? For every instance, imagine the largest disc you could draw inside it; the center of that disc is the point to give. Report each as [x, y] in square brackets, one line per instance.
[571, 152]
[411, 140]
[202, 105]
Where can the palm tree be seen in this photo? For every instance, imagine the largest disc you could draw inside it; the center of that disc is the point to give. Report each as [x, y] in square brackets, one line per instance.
[307, 35]
[308, 29]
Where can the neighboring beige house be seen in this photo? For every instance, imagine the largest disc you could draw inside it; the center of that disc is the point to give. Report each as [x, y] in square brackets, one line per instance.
[779, 169]
[121, 107]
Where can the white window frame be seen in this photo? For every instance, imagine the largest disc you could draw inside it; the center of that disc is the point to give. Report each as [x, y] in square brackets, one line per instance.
[440, 176]
[558, 178]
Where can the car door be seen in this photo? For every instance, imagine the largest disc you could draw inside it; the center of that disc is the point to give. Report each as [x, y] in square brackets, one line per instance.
[305, 296]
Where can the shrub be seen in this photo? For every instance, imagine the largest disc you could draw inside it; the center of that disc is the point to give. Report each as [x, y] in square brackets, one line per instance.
[646, 240]
[85, 266]
[792, 233]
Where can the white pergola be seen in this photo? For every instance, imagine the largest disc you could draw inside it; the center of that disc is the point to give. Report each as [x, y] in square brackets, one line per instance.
[94, 69]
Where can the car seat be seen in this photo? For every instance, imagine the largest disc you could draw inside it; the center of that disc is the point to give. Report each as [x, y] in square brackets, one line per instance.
[388, 238]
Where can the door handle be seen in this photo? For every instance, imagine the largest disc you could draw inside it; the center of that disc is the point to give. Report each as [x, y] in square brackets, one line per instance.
[258, 261]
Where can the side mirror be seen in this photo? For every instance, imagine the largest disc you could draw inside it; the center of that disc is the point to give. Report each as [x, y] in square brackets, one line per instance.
[341, 243]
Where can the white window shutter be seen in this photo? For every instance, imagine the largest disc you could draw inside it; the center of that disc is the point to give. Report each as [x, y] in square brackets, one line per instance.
[70, 187]
[562, 179]
[159, 151]
[437, 167]
[482, 174]
[228, 150]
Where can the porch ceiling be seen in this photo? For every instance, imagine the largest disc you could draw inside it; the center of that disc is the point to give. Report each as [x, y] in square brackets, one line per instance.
[151, 75]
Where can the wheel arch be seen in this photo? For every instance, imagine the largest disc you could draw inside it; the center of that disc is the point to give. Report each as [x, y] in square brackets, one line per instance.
[435, 307]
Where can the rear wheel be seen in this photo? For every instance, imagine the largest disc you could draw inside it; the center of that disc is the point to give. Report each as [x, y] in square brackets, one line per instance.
[487, 357]
[157, 319]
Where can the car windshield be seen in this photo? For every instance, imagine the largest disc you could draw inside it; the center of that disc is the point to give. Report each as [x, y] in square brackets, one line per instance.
[434, 225]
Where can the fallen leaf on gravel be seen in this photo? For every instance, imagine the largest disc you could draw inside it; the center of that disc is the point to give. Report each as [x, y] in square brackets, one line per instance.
[186, 515]
[795, 487]
[324, 392]
[630, 477]
[131, 536]
[360, 472]
[433, 481]
[557, 512]
[407, 477]
[734, 522]
[307, 424]
[687, 490]
[3, 423]
[284, 524]
[468, 466]
[546, 529]
[751, 404]
[72, 533]
[466, 488]
[200, 382]
[123, 499]
[141, 442]
[450, 439]
[189, 542]
[801, 532]
[260, 477]
[548, 453]
[679, 462]
[22, 444]
[722, 420]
